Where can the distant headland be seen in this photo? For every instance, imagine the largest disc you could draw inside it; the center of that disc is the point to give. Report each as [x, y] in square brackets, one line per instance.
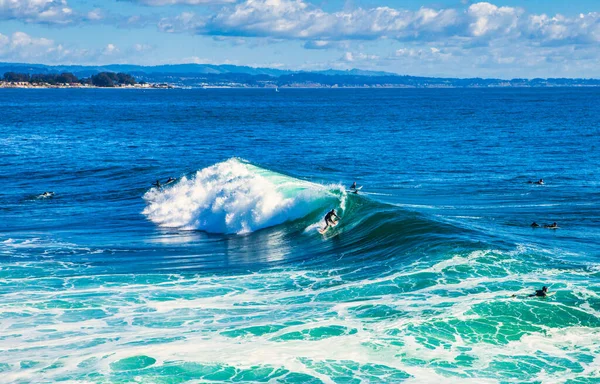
[69, 80]
[232, 76]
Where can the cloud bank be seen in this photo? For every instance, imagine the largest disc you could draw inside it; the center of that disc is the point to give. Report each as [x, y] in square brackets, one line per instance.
[480, 23]
[36, 11]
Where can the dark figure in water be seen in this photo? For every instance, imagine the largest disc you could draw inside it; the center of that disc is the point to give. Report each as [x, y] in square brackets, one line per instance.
[540, 182]
[329, 219]
[535, 225]
[157, 184]
[540, 292]
[170, 180]
[47, 194]
[552, 226]
[353, 185]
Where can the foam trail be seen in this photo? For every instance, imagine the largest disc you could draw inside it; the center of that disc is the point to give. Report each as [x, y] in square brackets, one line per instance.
[237, 197]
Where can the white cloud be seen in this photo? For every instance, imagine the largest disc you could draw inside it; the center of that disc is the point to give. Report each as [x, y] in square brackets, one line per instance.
[156, 3]
[22, 47]
[584, 29]
[296, 19]
[4, 40]
[487, 18]
[110, 49]
[354, 57]
[36, 11]
[142, 48]
[202, 60]
[186, 21]
[21, 39]
[95, 15]
[318, 44]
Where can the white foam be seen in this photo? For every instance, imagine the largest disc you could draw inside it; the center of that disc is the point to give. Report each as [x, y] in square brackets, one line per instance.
[237, 197]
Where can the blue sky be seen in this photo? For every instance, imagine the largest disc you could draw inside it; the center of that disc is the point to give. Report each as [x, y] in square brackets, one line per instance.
[458, 38]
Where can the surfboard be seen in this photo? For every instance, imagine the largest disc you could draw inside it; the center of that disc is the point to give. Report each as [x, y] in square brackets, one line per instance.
[323, 230]
[355, 190]
[548, 294]
[533, 296]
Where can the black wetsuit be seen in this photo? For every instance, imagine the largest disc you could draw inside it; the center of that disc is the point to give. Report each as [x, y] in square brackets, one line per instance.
[540, 292]
[328, 218]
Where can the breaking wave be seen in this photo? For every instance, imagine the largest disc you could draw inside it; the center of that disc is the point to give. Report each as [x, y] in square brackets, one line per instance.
[237, 197]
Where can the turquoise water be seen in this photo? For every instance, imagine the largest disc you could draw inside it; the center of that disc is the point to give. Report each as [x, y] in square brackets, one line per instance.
[222, 276]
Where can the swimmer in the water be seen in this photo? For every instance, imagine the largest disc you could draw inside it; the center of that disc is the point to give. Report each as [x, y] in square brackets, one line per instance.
[157, 184]
[540, 182]
[535, 225]
[171, 180]
[551, 226]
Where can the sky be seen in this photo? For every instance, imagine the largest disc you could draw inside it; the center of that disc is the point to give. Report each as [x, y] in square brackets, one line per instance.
[447, 38]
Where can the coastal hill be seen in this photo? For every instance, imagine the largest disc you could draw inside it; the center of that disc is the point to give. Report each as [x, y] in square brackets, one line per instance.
[208, 75]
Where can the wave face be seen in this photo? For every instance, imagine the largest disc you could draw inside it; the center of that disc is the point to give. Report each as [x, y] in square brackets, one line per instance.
[237, 197]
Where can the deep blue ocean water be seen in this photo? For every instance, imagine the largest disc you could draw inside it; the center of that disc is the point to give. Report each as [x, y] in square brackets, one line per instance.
[223, 276]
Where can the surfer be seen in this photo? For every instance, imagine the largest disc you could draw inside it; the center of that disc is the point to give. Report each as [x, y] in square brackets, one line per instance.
[47, 194]
[551, 226]
[540, 292]
[157, 184]
[353, 186]
[540, 182]
[329, 219]
[535, 225]
[171, 180]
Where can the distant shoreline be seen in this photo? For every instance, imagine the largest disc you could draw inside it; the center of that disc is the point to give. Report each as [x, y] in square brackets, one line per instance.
[9, 85]
[198, 76]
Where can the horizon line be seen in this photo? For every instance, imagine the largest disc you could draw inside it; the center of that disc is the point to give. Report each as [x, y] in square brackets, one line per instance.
[388, 73]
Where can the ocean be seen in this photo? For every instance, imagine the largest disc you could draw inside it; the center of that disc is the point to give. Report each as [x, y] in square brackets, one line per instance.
[222, 275]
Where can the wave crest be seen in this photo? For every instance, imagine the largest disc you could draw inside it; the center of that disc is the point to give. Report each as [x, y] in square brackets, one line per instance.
[237, 197]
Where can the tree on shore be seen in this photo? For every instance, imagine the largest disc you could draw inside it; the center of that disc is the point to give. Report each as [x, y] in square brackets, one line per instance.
[67, 78]
[125, 78]
[53, 79]
[110, 79]
[14, 77]
[103, 79]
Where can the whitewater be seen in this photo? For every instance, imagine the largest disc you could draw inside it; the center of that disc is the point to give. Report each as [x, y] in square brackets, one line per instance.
[237, 197]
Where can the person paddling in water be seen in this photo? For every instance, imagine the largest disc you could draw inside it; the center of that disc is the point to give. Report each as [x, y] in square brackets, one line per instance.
[540, 292]
[329, 219]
